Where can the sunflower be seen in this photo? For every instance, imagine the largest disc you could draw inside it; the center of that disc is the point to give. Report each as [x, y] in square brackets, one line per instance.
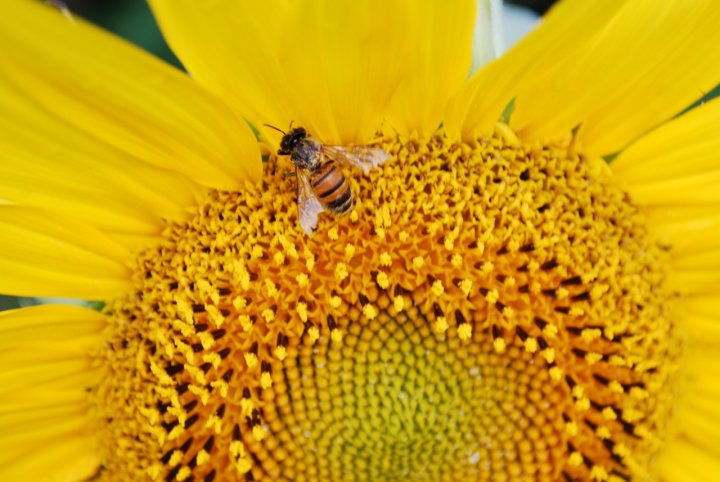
[500, 304]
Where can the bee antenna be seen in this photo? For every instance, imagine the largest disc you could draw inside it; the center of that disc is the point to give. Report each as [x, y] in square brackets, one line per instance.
[273, 127]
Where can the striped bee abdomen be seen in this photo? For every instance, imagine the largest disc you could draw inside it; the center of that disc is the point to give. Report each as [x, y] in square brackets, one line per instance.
[332, 189]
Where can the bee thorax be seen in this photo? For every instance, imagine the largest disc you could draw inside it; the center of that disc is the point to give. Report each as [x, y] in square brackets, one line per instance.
[307, 155]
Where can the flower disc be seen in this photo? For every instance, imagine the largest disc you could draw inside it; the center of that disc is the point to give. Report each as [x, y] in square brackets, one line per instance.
[488, 311]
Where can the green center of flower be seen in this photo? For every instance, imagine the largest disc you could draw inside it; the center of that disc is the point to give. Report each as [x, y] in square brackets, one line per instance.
[398, 402]
[488, 311]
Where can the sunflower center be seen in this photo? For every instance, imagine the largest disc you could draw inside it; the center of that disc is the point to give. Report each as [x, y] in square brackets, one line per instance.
[488, 311]
[398, 402]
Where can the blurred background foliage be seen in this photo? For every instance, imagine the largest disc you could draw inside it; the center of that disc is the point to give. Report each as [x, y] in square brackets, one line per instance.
[132, 20]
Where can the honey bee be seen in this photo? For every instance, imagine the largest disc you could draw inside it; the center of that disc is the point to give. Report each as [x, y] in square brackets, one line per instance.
[321, 184]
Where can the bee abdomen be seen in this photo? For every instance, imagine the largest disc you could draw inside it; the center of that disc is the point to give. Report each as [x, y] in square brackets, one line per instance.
[342, 204]
[332, 189]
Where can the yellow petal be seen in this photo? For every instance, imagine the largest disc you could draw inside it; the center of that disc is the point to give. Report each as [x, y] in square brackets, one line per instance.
[62, 323]
[46, 431]
[702, 304]
[705, 387]
[684, 461]
[703, 329]
[676, 163]
[695, 448]
[674, 172]
[329, 66]
[66, 458]
[45, 369]
[648, 63]
[696, 280]
[702, 429]
[436, 67]
[49, 164]
[697, 272]
[564, 31]
[687, 229]
[590, 63]
[115, 93]
[43, 255]
[18, 427]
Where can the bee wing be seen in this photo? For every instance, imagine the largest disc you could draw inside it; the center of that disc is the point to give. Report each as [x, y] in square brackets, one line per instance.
[363, 157]
[309, 207]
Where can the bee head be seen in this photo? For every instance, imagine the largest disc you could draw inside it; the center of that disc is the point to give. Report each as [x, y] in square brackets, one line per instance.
[291, 140]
